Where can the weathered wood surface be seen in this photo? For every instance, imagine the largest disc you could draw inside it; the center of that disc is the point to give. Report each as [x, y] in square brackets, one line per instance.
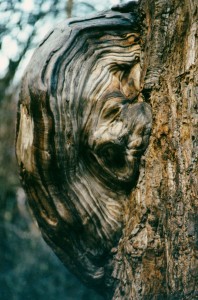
[84, 122]
[158, 248]
[82, 128]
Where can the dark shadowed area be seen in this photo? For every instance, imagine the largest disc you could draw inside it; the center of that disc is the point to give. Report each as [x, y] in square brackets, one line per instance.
[29, 269]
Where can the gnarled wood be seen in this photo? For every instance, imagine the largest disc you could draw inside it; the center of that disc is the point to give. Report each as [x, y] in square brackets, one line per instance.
[125, 225]
[82, 128]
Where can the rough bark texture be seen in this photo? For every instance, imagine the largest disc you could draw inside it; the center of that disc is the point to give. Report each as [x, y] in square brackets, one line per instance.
[157, 252]
[83, 125]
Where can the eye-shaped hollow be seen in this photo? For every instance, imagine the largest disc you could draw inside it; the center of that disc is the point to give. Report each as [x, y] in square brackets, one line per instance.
[111, 112]
[112, 155]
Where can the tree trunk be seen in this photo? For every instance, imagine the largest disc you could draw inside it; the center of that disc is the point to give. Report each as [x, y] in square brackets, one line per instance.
[156, 256]
[83, 125]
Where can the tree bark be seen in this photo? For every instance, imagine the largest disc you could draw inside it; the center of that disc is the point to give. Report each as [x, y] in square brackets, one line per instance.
[156, 256]
[129, 237]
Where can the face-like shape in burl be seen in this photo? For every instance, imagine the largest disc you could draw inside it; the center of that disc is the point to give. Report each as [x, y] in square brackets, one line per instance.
[118, 124]
[82, 128]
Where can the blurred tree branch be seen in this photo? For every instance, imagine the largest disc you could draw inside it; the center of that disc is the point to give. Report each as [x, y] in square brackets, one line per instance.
[69, 8]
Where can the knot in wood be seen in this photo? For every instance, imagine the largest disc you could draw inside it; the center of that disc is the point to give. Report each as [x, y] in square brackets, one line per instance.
[81, 132]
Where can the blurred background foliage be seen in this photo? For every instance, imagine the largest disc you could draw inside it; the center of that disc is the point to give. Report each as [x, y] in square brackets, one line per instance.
[28, 268]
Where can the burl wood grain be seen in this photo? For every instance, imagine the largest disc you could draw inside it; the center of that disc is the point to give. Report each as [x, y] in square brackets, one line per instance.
[82, 128]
